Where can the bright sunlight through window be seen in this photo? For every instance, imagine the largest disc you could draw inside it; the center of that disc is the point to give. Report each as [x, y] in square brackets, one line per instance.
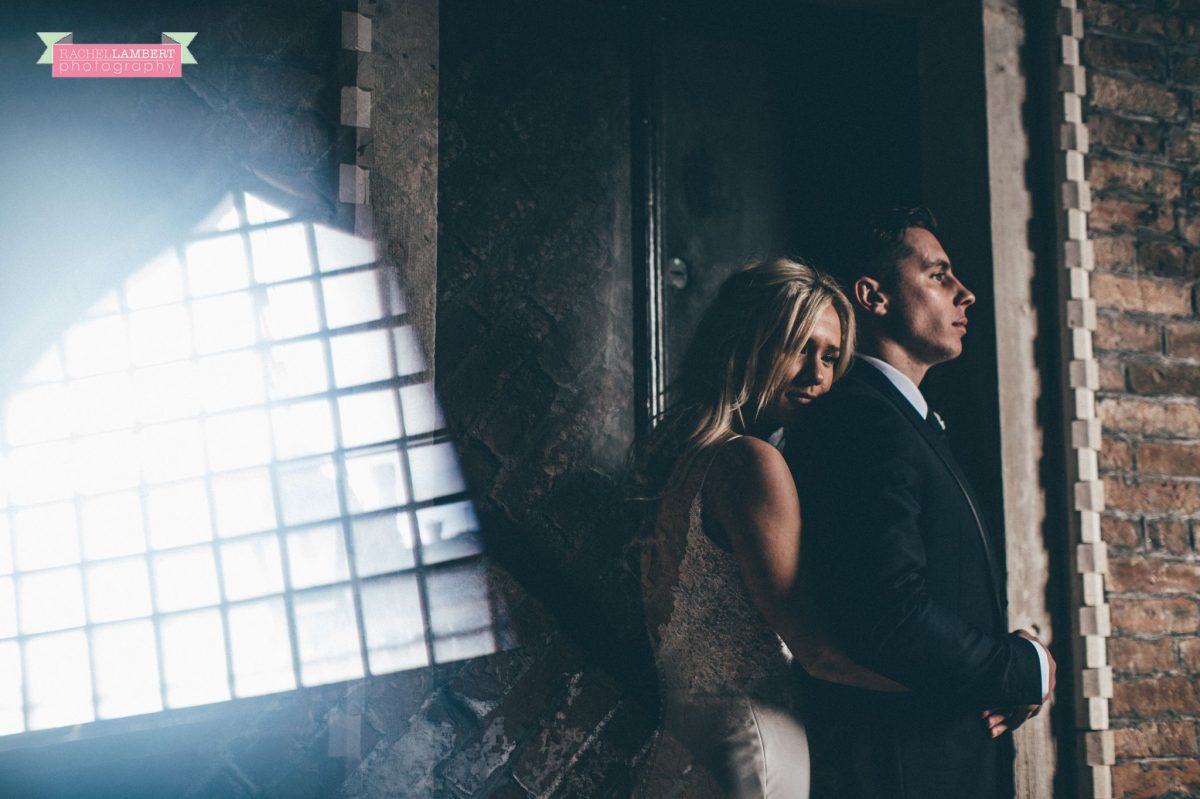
[231, 478]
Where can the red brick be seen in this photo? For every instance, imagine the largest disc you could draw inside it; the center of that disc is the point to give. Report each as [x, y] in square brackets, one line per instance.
[1120, 532]
[1113, 253]
[1155, 779]
[1112, 376]
[1152, 496]
[1146, 294]
[1167, 259]
[1136, 96]
[1140, 574]
[1135, 656]
[1184, 68]
[1125, 134]
[1115, 455]
[1120, 333]
[1153, 379]
[1184, 145]
[1155, 457]
[1189, 652]
[1121, 19]
[1120, 173]
[1183, 339]
[1134, 415]
[1169, 535]
[1106, 52]
[1113, 213]
[1131, 615]
[1157, 739]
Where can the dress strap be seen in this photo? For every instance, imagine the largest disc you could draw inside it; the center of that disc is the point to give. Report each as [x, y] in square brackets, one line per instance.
[716, 451]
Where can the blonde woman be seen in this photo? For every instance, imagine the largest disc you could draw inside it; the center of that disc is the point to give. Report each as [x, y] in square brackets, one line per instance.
[724, 608]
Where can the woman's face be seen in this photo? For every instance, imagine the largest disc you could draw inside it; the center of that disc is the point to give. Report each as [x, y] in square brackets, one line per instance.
[811, 371]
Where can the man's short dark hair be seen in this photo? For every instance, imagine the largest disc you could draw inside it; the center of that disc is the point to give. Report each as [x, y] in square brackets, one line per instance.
[881, 244]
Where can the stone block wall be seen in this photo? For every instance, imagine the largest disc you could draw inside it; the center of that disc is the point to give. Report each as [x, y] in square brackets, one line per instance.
[1143, 117]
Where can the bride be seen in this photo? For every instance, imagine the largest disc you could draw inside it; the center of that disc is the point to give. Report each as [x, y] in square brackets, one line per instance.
[724, 608]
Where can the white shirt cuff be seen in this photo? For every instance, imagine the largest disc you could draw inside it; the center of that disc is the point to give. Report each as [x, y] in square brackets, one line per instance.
[1044, 662]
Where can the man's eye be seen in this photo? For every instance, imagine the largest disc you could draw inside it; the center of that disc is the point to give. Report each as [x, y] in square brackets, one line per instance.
[939, 277]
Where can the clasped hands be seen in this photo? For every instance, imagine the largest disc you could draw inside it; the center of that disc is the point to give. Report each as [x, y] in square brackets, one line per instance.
[1001, 720]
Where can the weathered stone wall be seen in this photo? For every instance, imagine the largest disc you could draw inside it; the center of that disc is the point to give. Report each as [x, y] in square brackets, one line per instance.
[1143, 116]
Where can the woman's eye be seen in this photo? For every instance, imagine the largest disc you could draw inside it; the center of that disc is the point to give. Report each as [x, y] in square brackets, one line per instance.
[830, 360]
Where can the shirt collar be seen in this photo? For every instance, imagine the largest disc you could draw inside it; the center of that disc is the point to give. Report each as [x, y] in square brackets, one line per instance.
[902, 383]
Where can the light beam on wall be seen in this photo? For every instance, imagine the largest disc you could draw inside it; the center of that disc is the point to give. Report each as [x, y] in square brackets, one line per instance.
[231, 478]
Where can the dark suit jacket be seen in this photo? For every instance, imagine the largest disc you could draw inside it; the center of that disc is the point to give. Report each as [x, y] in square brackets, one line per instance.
[897, 555]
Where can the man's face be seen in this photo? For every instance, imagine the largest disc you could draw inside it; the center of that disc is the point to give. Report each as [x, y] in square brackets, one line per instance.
[927, 309]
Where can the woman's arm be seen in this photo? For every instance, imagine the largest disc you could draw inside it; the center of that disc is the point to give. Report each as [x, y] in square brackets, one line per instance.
[750, 493]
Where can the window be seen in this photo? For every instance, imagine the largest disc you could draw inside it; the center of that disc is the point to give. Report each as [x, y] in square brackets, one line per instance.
[231, 478]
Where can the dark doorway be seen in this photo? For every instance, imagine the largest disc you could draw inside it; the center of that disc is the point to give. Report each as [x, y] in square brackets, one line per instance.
[778, 123]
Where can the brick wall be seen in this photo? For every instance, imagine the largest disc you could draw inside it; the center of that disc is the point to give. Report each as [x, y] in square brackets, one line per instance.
[1143, 117]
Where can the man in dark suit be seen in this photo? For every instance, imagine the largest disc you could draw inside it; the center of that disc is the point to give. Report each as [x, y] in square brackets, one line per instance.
[896, 555]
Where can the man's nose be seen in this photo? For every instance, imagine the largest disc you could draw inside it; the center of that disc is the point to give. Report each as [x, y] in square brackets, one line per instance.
[964, 297]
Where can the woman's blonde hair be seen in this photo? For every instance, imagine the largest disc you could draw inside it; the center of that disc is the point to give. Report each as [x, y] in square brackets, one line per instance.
[738, 360]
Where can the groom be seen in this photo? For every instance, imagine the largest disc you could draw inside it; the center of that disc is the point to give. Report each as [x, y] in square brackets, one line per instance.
[896, 554]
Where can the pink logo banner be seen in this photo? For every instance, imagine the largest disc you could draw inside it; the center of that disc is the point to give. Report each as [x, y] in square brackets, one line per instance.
[118, 61]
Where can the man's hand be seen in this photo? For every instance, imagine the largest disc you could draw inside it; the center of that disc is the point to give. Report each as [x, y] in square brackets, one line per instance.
[1002, 720]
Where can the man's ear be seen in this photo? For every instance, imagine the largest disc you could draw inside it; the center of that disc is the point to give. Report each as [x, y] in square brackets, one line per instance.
[869, 296]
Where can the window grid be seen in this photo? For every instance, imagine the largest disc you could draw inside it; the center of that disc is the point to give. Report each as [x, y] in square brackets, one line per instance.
[218, 541]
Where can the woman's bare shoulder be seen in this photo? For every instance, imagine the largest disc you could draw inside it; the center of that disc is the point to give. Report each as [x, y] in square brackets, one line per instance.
[749, 469]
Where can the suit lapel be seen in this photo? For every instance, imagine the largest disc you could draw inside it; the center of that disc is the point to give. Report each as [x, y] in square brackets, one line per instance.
[876, 380]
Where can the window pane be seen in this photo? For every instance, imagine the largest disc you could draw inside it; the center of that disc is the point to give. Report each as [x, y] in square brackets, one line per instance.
[308, 491]
[6, 546]
[291, 310]
[158, 283]
[96, 346]
[118, 589]
[232, 380]
[50, 600]
[126, 669]
[244, 502]
[302, 428]
[422, 413]
[217, 265]
[178, 514]
[185, 578]
[239, 439]
[368, 417]
[409, 358]
[105, 462]
[112, 525]
[336, 250]
[223, 217]
[251, 567]
[12, 702]
[374, 480]
[327, 636]
[280, 253]
[8, 611]
[171, 451]
[160, 334]
[297, 369]
[36, 473]
[361, 358]
[383, 544]
[170, 391]
[100, 404]
[48, 369]
[37, 414]
[223, 323]
[352, 298]
[448, 532]
[59, 680]
[262, 652]
[317, 556]
[193, 647]
[45, 536]
[392, 620]
[460, 614]
[435, 471]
